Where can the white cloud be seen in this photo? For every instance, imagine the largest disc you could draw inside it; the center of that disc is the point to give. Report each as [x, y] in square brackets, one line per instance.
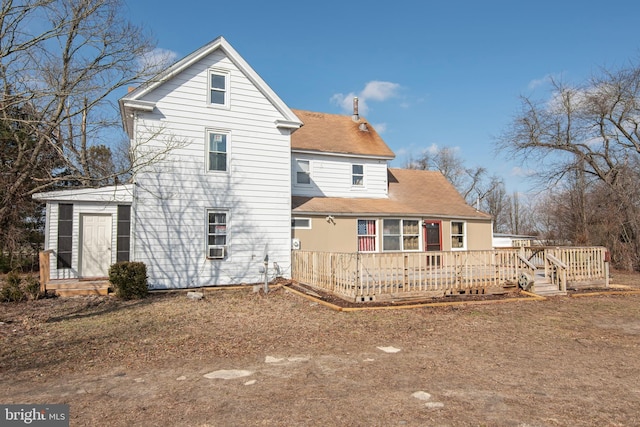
[536, 83]
[158, 59]
[379, 91]
[434, 149]
[345, 102]
[373, 91]
[380, 127]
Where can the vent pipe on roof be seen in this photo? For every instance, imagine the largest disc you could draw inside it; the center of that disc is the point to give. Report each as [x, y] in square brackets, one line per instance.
[356, 116]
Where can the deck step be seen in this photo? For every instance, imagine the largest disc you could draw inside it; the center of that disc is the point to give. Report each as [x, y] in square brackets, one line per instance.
[78, 292]
[546, 288]
[66, 288]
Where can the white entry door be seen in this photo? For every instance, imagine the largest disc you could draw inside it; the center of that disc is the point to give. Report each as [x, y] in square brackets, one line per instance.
[95, 252]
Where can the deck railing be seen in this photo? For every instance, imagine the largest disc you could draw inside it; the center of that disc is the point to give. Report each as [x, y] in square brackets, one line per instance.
[366, 276]
[583, 264]
[556, 271]
[360, 276]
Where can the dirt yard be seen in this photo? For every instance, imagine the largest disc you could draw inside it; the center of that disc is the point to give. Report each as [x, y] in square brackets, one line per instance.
[566, 361]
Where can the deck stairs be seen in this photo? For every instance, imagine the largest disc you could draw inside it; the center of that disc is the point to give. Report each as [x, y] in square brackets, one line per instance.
[543, 286]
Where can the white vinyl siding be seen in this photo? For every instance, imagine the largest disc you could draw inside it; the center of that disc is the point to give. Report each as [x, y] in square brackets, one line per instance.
[333, 176]
[174, 194]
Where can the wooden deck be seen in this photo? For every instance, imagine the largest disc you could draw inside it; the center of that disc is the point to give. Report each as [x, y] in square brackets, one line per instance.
[363, 277]
[70, 287]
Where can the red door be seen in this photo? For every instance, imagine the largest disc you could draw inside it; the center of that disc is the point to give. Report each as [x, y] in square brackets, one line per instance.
[432, 241]
[432, 237]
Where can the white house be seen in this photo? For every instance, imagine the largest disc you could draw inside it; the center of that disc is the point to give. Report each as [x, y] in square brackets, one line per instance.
[219, 165]
[216, 200]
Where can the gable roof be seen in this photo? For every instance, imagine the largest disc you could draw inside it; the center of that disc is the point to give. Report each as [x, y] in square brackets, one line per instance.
[338, 134]
[134, 100]
[411, 193]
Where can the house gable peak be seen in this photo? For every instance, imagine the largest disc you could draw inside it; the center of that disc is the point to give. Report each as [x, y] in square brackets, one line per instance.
[133, 99]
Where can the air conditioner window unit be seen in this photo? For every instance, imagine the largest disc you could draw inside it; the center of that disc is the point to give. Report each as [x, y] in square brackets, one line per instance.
[216, 252]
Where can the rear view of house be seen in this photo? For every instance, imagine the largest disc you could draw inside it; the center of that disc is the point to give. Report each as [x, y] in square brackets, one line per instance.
[228, 177]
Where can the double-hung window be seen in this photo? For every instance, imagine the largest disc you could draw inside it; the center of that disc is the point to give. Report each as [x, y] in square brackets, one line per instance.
[303, 173]
[401, 235]
[217, 151]
[457, 235]
[218, 88]
[217, 234]
[366, 235]
[357, 175]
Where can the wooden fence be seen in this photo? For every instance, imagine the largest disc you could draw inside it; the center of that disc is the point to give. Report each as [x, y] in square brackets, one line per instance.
[368, 276]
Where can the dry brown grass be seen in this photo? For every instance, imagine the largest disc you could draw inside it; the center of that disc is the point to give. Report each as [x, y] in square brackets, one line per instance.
[564, 361]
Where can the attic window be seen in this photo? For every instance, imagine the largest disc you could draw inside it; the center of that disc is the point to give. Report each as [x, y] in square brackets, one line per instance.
[218, 88]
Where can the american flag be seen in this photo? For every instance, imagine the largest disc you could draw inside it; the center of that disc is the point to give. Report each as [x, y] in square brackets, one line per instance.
[366, 235]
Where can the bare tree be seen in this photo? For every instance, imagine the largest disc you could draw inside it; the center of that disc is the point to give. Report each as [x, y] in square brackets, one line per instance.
[471, 182]
[62, 64]
[587, 136]
[497, 204]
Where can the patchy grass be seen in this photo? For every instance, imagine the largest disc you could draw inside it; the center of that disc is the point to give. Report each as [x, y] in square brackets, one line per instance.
[563, 361]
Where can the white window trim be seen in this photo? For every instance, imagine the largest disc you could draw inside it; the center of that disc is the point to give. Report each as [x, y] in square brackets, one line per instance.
[206, 239]
[464, 235]
[295, 173]
[402, 235]
[208, 132]
[227, 88]
[361, 186]
[308, 227]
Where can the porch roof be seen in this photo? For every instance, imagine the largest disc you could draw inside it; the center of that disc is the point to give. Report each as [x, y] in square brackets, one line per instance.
[113, 193]
[411, 193]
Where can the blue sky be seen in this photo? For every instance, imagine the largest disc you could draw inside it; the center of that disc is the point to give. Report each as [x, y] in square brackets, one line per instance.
[445, 74]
